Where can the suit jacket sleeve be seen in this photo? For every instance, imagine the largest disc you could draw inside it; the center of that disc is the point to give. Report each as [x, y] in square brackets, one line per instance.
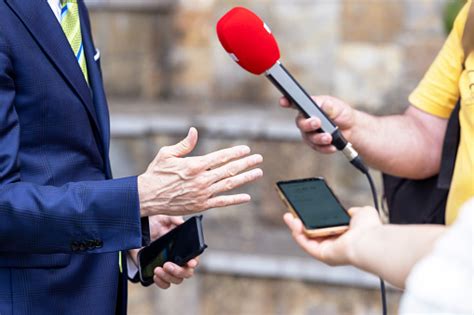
[95, 216]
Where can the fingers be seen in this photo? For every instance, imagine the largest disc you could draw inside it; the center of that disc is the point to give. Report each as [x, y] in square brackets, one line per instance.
[296, 227]
[161, 283]
[236, 181]
[288, 219]
[311, 246]
[171, 274]
[176, 220]
[224, 201]
[227, 177]
[284, 102]
[295, 223]
[162, 224]
[291, 222]
[168, 223]
[330, 110]
[307, 124]
[364, 217]
[185, 146]
[310, 128]
[332, 107]
[320, 139]
[178, 272]
[235, 167]
[319, 144]
[193, 263]
[354, 211]
[363, 212]
[221, 157]
[325, 149]
[166, 220]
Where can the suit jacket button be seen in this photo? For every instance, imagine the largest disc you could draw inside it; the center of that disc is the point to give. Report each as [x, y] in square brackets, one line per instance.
[90, 244]
[75, 246]
[82, 246]
[99, 244]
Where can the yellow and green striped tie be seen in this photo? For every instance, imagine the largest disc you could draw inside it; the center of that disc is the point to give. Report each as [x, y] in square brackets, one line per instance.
[71, 26]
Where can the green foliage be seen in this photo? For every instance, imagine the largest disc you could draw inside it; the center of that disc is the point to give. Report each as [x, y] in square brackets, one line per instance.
[451, 10]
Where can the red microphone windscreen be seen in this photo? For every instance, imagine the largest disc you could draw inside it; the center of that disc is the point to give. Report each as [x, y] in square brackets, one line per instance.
[248, 40]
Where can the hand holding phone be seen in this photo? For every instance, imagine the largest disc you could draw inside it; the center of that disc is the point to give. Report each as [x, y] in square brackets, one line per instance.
[178, 246]
[312, 201]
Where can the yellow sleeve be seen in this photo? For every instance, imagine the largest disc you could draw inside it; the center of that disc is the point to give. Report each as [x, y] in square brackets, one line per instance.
[438, 91]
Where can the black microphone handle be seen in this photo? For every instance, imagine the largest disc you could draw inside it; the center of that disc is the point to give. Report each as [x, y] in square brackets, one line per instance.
[294, 92]
[287, 85]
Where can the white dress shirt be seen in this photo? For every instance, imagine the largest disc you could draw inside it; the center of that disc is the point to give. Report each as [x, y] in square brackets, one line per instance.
[56, 7]
[442, 282]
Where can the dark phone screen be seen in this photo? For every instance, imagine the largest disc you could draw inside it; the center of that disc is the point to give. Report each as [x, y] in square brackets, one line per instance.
[314, 203]
[162, 256]
[177, 246]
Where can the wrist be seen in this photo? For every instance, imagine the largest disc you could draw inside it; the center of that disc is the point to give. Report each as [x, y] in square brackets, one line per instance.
[352, 254]
[359, 121]
[362, 133]
[143, 196]
[360, 249]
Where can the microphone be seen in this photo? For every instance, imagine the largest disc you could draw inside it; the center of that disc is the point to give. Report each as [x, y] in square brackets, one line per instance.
[250, 43]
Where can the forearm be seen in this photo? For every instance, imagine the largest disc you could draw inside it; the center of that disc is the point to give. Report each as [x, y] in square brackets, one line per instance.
[400, 144]
[391, 251]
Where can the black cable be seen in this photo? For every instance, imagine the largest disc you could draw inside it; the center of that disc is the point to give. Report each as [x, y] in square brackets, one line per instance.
[376, 204]
[359, 164]
[345, 147]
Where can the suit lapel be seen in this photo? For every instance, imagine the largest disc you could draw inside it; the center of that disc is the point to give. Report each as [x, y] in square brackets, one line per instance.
[95, 80]
[40, 21]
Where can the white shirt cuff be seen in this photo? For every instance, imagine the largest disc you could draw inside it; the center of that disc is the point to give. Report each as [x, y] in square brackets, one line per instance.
[132, 268]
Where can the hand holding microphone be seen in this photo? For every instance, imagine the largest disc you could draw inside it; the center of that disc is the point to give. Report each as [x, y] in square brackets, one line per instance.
[338, 111]
[250, 43]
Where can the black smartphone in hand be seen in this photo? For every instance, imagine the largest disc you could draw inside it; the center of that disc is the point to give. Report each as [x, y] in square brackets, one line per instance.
[178, 246]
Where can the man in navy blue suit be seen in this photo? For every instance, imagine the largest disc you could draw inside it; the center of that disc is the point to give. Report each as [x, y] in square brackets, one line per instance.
[64, 221]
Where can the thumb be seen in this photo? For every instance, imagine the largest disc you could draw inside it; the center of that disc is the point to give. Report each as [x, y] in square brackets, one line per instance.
[329, 109]
[185, 146]
[176, 221]
[171, 221]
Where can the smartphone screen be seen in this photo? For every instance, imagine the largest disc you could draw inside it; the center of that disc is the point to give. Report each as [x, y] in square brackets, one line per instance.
[158, 260]
[314, 203]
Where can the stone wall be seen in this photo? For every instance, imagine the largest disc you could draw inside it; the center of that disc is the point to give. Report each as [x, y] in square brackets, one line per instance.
[230, 295]
[369, 52]
[165, 70]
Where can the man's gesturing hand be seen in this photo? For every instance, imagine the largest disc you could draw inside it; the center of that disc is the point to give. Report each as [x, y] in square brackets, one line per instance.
[177, 185]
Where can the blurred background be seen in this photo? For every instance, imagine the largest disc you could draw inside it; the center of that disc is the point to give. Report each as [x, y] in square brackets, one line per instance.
[165, 71]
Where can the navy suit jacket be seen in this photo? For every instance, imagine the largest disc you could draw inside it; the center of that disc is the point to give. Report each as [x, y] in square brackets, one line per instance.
[62, 218]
